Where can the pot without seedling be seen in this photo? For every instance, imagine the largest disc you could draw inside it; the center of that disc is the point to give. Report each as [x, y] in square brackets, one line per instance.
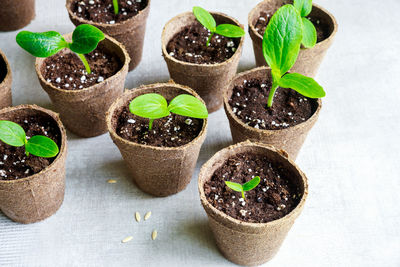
[81, 85]
[194, 64]
[33, 146]
[159, 129]
[124, 20]
[309, 58]
[249, 99]
[250, 230]
[5, 82]
[15, 15]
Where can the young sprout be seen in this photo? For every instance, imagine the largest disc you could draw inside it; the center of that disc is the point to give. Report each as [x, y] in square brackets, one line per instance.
[245, 187]
[116, 8]
[309, 32]
[154, 106]
[14, 135]
[281, 46]
[85, 39]
[207, 20]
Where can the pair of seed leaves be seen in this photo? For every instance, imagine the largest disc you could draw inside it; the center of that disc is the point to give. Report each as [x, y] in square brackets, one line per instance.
[154, 106]
[245, 187]
[14, 135]
[85, 39]
[207, 20]
[281, 46]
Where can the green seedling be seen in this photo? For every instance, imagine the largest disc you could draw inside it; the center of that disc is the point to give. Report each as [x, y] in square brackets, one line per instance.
[309, 32]
[154, 106]
[14, 135]
[245, 187]
[281, 46]
[207, 20]
[116, 7]
[85, 39]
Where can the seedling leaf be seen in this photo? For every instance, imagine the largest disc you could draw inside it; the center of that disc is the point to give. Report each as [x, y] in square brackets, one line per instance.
[234, 186]
[251, 184]
[303, 6]
[309, 33]
[85, 39]
[42, 146]
[43, 44]
[12, 134]
[304, 85]
[151, 106]
[229, 30]
[188, 105]
[205, 18]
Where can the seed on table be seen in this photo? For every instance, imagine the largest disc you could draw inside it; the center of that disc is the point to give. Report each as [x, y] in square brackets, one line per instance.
[154, 235]
[127, 239]
[137, 216]
[111, 181]
[147, 215]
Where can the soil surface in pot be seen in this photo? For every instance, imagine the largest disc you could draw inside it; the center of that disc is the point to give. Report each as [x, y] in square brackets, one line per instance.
[273, 198]
[14, 163]
[3, 69]
[102, 11]
[171, 131]
[249, 104]
[322, 28]
[189, 45]
[66, 70]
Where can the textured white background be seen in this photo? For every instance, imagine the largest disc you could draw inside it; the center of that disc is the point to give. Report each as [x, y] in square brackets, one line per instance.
[351, 158]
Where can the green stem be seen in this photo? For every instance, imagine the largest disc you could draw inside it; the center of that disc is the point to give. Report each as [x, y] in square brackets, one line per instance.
[209, 39]
[151, 124]
[84, 61]
[243, 195]
[116, 8]
[272, 93]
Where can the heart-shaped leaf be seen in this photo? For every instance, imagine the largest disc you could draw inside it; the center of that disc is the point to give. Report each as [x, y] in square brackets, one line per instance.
[188, 105]
[151, 106]
[205, 18]
[85, 39]
[42, 146]
[43, 44]
[309, 33]
[303, 6]
[12, 134]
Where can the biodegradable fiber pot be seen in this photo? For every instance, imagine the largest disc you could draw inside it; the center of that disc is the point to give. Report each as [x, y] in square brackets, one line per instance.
[5, 82]
[208, 80]
[242, 242]
[129, 32]
[83, 111]
[159, 171]
[16, 14]
[309, 60]
[39, 196]
[289, 139]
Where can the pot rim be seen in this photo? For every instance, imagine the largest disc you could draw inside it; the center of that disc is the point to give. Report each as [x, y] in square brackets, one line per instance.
[8, 76]
[117, 103]
[253, 30]
[40, 61]
[62, 149]
[189, 13]
[229, 110]
[210, 163]
[104, 25]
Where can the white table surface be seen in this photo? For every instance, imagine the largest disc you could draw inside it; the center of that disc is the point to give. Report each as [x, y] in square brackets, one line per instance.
[351, 158]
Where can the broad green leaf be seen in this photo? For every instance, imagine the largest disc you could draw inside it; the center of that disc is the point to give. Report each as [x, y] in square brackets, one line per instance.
[309, 33]
[205, 18]
[42, 146]
[188, 105]
[151, 106]
[12, 134]
[43, 44]
[306, 86]
[282, 38]
[251, 184]
[303, 6]
[229, 30]
[234, 186]
[85, 39]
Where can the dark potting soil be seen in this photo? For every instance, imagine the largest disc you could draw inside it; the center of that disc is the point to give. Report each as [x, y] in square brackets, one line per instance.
[273, 198]
[14, 163]
[3, 69]
[322, 28]
[102, 11]
[189, 45]
[289, 108]
[171, 131]
[66, 70]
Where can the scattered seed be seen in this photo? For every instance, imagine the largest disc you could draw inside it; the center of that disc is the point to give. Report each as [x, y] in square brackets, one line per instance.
[137, 216]
[127, 239]
[147, 215]
[154, 234]
[111, 181]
